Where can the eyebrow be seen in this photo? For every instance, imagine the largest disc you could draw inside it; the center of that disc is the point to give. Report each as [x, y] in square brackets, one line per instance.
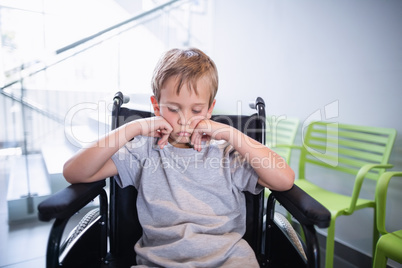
[195, 104]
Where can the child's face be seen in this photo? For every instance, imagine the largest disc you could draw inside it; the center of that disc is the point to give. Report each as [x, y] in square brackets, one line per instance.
[184, 111]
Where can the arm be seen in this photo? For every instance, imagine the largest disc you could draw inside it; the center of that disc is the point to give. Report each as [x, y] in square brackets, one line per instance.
[94, 163]
[272, 169]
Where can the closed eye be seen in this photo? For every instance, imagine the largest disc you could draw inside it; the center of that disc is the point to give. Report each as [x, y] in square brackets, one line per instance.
[173, 110]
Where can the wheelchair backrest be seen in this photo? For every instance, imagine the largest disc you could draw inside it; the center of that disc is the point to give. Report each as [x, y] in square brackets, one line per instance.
[125, 229]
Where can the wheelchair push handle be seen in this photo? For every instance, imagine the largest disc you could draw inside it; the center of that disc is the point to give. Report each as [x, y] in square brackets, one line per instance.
[119, 98]
[258, 102]
[118, 101]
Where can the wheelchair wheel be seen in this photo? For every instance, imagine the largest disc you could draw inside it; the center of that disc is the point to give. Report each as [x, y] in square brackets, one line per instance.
[83, 238]
[285, 226]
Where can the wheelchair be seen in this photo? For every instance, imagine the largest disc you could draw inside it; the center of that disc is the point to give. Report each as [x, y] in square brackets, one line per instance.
[105, 237]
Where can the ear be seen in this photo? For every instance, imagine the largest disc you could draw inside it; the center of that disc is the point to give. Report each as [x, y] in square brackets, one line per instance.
[210, 109]
[155, 105]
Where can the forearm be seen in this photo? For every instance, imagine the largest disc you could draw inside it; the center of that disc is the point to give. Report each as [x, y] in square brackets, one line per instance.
[272, 169]
[91, 163]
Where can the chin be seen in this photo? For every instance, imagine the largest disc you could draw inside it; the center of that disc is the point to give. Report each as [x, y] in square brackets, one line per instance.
[180, 141]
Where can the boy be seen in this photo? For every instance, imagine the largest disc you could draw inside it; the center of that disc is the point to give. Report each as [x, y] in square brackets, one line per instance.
[190, 172]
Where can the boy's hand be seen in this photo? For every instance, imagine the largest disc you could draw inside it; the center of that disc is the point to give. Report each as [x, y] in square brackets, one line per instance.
[207, 130]
[156, 127]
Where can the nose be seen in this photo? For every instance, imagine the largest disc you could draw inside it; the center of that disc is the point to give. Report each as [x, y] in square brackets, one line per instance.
[184, 119]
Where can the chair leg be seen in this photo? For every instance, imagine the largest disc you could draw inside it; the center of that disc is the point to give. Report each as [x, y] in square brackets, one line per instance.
[330, 245]
[380, 259]
[376, 233]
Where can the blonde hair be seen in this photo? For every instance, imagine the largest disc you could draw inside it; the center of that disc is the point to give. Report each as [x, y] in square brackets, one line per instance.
[188, 65]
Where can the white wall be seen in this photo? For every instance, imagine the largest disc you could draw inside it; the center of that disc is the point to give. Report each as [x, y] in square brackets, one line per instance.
[301, 56]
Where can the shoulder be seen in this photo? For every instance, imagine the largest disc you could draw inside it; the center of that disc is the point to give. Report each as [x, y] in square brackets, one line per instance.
[141, 145]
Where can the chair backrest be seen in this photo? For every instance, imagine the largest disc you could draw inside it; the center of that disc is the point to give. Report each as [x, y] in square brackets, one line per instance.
[346, 148]
[281, 130]
[125, 229]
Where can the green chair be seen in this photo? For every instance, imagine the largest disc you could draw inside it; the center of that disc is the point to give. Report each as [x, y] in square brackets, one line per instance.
[280, 133]
[390, 244]
[339, 149]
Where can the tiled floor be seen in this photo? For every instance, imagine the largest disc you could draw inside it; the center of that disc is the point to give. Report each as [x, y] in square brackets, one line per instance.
[23, 243]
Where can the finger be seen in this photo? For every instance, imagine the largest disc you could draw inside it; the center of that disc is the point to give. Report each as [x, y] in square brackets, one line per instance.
[198, 144]
[163, 141]
[205, 138]
[193, 138]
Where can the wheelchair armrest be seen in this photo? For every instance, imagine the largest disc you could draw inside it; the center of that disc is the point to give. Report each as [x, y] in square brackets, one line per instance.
[68, 201]
[303, 207]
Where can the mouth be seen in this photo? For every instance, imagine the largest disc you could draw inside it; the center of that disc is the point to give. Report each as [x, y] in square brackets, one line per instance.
[180, 139]
[183, 134]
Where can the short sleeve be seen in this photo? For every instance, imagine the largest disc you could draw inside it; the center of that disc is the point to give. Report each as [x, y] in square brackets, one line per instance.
[243, 174]
[128, 161]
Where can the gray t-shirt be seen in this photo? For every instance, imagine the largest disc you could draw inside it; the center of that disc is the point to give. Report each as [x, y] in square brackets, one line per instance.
[190, 204]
